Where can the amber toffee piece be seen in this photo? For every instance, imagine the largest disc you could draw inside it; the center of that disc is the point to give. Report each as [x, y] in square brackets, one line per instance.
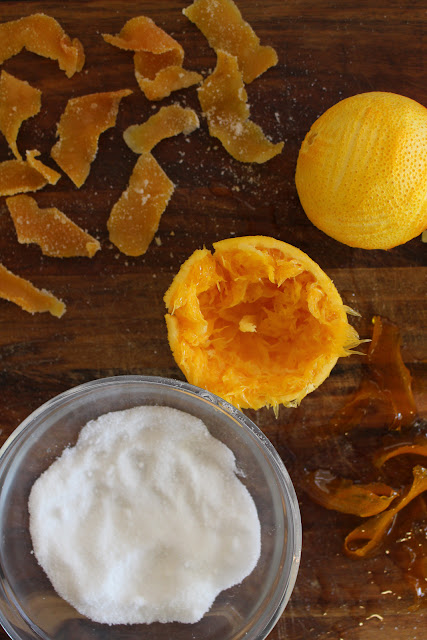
[52, 230]
[20, 291]
[20, 176]
[79, 128]
[18, 102]
[44, 36]
[223, 99]
[222, 24]
[167, 122]
[135, 217]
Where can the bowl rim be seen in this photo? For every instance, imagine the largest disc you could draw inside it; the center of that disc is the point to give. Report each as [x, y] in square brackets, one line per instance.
[294, 537]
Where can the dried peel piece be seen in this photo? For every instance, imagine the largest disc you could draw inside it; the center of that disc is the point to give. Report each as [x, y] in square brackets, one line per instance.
[223, 99]
[167, 122]
[18, 102]
[20, 291]
[222, 24]
[135, 217]
[79, 128]
[19, 176]
[44, 36]
[365, 539]
[52, 230]
[50, 175]
[158, 58]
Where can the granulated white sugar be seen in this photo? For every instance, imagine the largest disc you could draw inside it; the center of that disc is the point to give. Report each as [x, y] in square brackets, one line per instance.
[144, 519]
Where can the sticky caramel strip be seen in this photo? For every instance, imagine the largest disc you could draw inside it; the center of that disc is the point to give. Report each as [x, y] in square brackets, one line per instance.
[158, 58]
[223, 99]
[43, 36]
[418, 448]
[365, 539]
[135, 217]
[167, 122]
[79, 128]
[18, 102]
[19, 176]
[52, 230]
[222, 24]
[20, 291]
[343, 495]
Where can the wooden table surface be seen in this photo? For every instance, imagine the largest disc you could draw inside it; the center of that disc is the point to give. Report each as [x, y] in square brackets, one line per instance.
[114, 322]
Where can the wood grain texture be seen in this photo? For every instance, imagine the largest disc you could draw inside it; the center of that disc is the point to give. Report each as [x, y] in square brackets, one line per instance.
[114, 323]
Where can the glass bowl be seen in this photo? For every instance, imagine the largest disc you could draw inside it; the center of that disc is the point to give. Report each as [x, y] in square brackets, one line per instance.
[29, 606]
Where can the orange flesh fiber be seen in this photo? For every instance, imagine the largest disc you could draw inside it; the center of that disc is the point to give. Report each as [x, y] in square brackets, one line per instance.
[52, 230]
[167, 122]
[223, 26]
[224, 102]
[135, 217]
[44, 36]
[20, 291]
[79, 128]
[18, 102]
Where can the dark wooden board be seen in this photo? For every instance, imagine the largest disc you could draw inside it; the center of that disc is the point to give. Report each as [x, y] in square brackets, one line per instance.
[114, 323]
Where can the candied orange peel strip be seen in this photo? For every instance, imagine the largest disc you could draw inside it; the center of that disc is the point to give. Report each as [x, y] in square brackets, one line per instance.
[20, 291]
[158, 58]
[343, 495]
[52, 230]
[44, 36]
[223, 99]
[135, 217]
[222, 24]
[18, 102]
[79, 128]
[20, 176]
[365, 539]
[167, 122]
[417, 448]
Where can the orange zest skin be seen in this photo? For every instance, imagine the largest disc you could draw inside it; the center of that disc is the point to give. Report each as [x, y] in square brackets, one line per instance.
[79, 128]
[43, 36]
[53, 231]
[18, 102]
[224, 102]
[20, 291]
[19, 176]
[167, 122]
[223, 26]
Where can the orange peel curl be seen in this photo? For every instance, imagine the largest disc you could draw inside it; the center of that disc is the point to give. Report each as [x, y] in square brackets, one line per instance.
[167, 122]
[18, 102]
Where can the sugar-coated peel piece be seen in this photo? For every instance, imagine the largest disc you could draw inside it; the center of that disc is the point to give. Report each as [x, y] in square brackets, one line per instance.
[135, 217]
[222, 24]
[158, 58]
[79, 128]
[20, 291]
[52, 230]
[167, 122]
[44, 36]
[223, 99]
[20, 176]
[18, 102]
[51, 176]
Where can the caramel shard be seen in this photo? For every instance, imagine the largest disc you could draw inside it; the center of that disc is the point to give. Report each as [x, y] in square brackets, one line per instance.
[44, 36]
[224, 101]
[135, 217]
[27, 296]
[19, 176]
[158, 59]
[222, 24]
[167, 122]
[51, 229]
[79, 128]
[18, 102]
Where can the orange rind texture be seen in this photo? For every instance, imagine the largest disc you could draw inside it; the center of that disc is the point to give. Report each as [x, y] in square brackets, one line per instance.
[158, 58]
[44, 36]
[135, 217]
[361, 173]
[222, 24]
[257, 322]
[20, 291]
[223, 100]
[167, 122]
[18, 102]
[52, 230]
[20, 176]
[79, 128]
